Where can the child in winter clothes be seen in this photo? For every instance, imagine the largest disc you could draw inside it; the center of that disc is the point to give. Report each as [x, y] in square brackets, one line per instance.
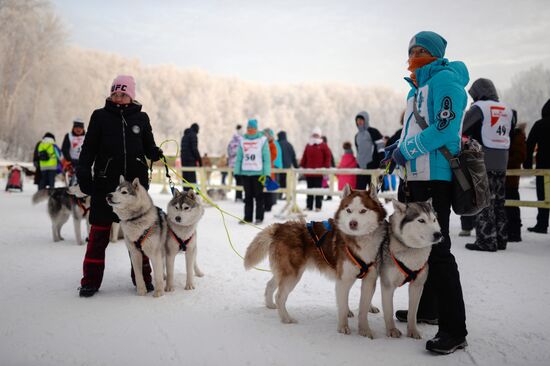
[47, 158]
[316, 155]
[252, 162]
[347, 161]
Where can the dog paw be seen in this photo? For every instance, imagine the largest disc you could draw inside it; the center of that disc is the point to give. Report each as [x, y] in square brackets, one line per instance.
[373, 309]
[158, 293]
[169, 288]
[413, 333]
[393, 333]
[350, 314]
[289, 320]
[141, 291]
[271, 306]
[189, 286]
[199, 274]
[344, 329]
[366, 332]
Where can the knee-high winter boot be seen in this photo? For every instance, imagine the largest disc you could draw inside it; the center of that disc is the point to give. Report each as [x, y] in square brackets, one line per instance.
[94, 260]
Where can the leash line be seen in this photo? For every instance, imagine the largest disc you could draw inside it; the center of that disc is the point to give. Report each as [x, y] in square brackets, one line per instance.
[211, 203]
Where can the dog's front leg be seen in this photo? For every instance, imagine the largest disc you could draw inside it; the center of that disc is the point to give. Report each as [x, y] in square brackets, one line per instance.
[170, 260]
[415, 292]
[77, 232]
[190, 256]
[158, 270]
[137, 262]
[368, 286]
[343, 285]
[387, 306]
[198, 272]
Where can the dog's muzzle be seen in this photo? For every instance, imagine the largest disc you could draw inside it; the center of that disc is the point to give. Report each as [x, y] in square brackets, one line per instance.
[178, 219]
[353, 224]
[438, 237]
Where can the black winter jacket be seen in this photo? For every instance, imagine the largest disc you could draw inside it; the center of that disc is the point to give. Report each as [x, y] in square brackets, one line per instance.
[118, 140]
[189, 151]
[287, 150]
[539, 136]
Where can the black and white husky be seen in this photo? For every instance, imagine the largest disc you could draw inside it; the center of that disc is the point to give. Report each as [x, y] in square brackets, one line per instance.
[145, 229]
[183, 213]
[63, 203]
[413, 230]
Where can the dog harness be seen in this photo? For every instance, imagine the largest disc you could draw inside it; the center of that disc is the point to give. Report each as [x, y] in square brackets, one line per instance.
[80, 203]
[149, 230]
[356, 260]
[181, 242]
[410, 275]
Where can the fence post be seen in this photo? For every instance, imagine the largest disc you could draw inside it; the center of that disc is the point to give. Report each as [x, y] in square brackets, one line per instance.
[547, 188]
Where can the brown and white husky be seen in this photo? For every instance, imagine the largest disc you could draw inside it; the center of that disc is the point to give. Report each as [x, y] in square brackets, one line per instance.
[344, 248]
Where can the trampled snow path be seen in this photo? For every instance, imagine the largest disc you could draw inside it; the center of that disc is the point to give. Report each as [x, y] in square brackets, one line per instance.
[224, 321]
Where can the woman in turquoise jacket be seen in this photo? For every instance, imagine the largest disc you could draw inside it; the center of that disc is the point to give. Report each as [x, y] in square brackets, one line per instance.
[252, 162]
[437, 88]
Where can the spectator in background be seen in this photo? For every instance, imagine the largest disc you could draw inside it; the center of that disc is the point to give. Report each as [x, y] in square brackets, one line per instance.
[347, 161]
[222, 163]
[189, 153]
[207, 163]
[316, 155]
[72, 144]
[539, 139]
[516, 156]
[370, 148]
[270, 198]
[490, 121]
[252, 162]
[47, 158]
[232, 149]
[288, 156]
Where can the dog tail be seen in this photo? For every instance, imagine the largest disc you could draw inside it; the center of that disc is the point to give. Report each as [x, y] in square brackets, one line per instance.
[40, 196]
[258, 249]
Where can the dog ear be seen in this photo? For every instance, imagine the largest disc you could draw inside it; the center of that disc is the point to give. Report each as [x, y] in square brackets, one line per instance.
[372, 192]
[429, 202]
[399, 206]
[347, 191]
[191, 194]
[176, 192]
[135, 183]
[121, 179]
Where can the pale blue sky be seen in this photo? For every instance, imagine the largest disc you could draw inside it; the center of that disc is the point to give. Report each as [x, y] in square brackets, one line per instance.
[358, 42]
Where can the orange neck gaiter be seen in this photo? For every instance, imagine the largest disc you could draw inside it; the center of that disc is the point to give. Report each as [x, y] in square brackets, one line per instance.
[418, 62]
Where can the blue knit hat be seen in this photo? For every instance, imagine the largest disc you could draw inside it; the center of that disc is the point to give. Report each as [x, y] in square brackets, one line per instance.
[431, 41]
[252, 123]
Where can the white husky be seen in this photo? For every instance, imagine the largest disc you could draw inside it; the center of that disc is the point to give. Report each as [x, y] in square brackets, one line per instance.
[413, 231]
[144, 227]
[183, 214]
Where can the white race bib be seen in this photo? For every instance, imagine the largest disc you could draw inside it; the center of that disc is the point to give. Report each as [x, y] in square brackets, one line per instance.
[252, 154]
[497, 122]
[76, 145]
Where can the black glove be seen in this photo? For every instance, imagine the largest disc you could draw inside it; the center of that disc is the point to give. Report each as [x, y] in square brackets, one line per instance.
[156, 154]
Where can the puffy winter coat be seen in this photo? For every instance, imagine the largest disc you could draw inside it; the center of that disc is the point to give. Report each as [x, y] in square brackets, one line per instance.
[189, 152]
[441, 101]
[118, 140]
[348, 161]
[265, 169]
[539, 136]
[287, 151]
[316, 156]
[232, 149]
[516, 156]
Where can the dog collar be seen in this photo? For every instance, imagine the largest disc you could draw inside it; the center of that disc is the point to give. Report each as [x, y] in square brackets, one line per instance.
[149, 230]
[409, 274]
[181, 242]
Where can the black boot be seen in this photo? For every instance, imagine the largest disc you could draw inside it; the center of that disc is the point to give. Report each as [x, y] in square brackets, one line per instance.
[538, 229]
[87, 291]
[444, 343]
[474, 246]
[401, 315]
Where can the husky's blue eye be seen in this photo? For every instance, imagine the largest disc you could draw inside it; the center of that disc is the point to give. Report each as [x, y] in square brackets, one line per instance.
[422, 221]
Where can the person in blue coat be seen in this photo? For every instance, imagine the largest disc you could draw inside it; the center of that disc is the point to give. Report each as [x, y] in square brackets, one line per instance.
[437, 88]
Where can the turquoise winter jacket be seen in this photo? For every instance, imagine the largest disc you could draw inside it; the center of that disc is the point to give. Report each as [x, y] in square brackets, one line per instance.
[441, 100]
[266, 157]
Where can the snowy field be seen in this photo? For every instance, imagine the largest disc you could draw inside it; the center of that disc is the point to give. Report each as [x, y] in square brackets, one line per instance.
[224, 321]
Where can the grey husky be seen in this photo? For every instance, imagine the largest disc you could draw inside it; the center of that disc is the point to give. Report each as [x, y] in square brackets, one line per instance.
[413, 229]
[183, 214]
[63, 203]
[145, 229]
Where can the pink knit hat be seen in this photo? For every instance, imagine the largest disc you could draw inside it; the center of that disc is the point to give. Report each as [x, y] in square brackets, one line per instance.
[124, 84]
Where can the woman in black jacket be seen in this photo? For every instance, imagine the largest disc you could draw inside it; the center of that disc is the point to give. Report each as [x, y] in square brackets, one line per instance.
[118, 140]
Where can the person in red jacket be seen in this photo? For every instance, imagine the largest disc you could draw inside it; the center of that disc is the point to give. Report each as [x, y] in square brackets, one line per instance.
[347, 161]
[316, 155]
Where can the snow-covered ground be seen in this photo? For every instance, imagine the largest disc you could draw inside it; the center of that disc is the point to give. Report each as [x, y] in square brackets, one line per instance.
[224, 321]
